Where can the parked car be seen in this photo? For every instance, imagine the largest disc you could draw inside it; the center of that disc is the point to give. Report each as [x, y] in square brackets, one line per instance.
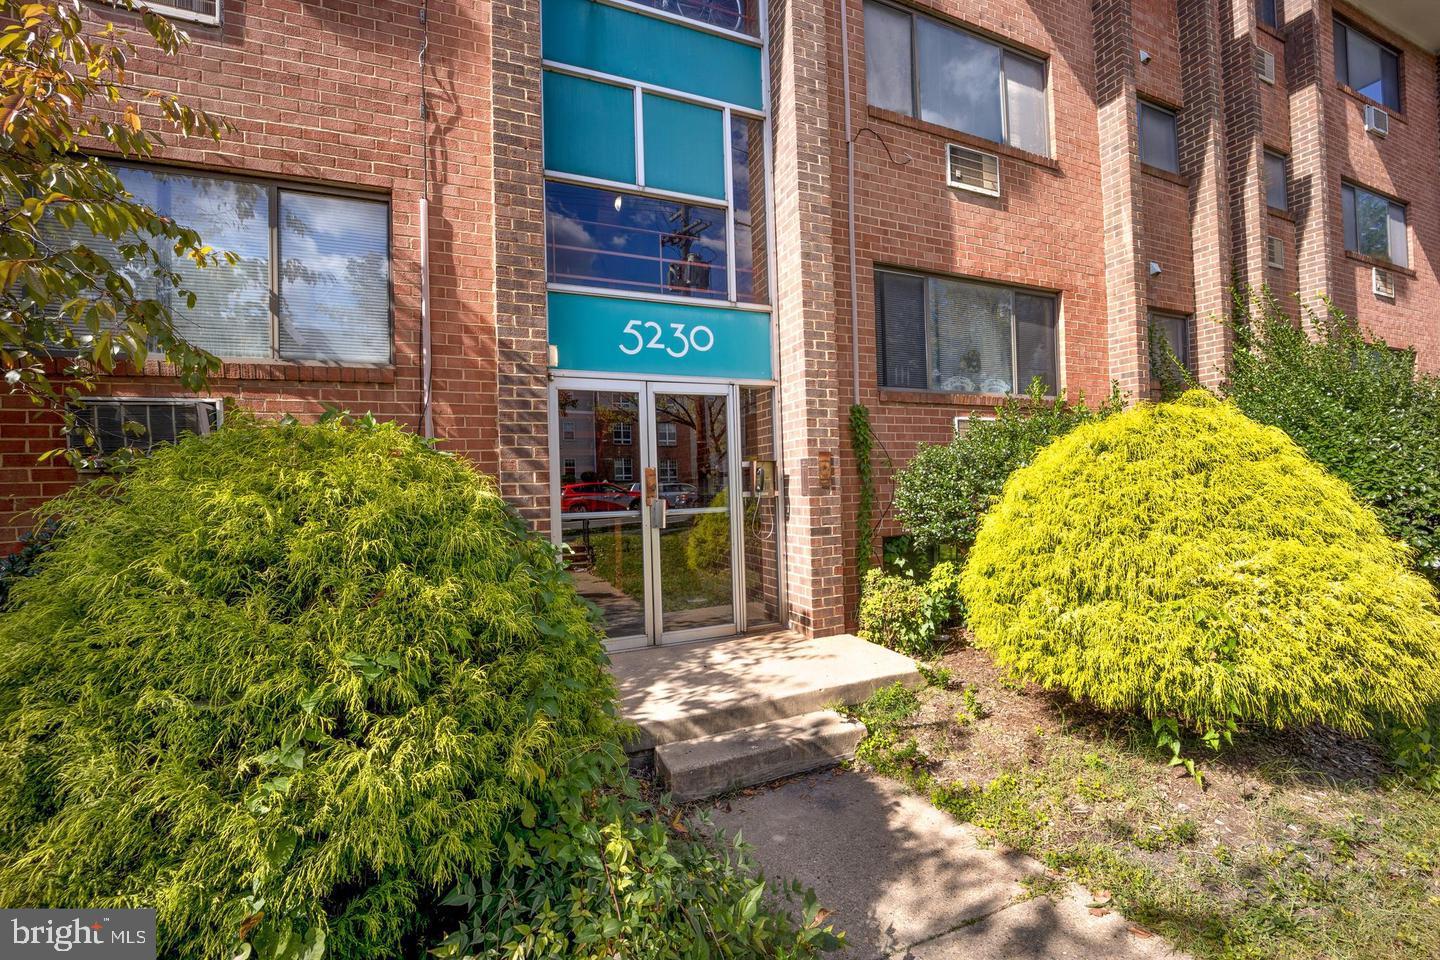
[597, 496]
[678, 495]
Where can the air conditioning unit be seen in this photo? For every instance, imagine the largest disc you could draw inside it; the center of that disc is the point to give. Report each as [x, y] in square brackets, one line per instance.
[1275, 252]
[1265, 64]
[973, 170]
[107, 425]
[1382, 282]
[1377, 121]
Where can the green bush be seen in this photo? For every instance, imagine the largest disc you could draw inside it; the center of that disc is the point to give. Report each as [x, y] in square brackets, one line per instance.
[941, 494]
[607, 876]
[1354, 405]
[287, 684]
[34, 544]
[708, 546]
[1186, 562]
[909, 615]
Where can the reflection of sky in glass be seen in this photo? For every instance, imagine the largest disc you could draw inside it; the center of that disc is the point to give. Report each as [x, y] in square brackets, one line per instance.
[959, 80]
[231, 317]
[608, 239]
[334, 278]
[737, 15]
[747, 148]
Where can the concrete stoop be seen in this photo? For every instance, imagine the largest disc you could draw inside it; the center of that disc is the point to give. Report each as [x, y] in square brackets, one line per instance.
[725, 715]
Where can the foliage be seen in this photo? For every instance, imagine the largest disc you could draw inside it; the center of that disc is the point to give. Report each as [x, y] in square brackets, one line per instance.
[288, 684]
[942, 493]
[1183, 561]
[79, 306]
[1354, 405]
[708, 546]
[1166, 369]
[21, 563]
[909, 615]
[604, 874]
[862, 441]
[1414, 749]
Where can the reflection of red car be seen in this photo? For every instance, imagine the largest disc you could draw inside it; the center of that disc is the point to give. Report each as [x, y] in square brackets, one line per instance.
[596, 497]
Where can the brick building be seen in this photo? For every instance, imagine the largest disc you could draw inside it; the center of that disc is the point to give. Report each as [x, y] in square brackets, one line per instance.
[616, 260]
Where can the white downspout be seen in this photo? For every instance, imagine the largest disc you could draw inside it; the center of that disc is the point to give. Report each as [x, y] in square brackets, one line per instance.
[850, 200]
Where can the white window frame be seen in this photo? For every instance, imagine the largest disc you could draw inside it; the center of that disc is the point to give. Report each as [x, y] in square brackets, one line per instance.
[629, 470]
[177, 13]
[666, 434]
[669, 470]
[622, 433]
[1005, 48]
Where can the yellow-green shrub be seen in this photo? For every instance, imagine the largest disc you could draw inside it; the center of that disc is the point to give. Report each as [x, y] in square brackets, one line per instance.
[1186, 562]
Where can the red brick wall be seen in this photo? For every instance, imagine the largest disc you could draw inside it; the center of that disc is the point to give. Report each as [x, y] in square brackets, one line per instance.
[328, 93]
[1405, 165]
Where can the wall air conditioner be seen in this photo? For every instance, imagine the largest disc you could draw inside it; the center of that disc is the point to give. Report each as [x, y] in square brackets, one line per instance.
[1265, 64]
[1275, 253]
[1382, 282]
[1377, 121]
[973, 170]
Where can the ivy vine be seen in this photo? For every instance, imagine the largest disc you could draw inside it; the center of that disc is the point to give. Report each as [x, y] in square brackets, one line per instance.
[861, 440]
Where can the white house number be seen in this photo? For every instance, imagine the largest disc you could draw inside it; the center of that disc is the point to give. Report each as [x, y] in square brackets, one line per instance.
[648, 335]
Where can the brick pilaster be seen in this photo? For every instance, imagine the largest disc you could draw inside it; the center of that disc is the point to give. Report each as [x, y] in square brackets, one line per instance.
[1314, 202]
[811, 401]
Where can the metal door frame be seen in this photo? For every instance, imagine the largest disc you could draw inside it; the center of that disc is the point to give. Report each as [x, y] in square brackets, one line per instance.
[648, 441]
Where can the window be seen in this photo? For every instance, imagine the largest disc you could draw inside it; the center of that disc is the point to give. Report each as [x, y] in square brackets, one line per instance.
[958, 336]
[747, 198]
[1268, 12]
[201, 11]
[602, 238]
[620, 434]
[568, 469]
[737, 15]
[321, 293]
[105, 426]
[569, 429]
[1276, 174]
[1159, 145]
[1367, 66]
[666, 434]
[942, 74]
[669, 470]
[1169, 341]
[623, 470]
[1374, 225]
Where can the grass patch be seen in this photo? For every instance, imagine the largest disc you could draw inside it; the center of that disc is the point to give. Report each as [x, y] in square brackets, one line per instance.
[1300, 847]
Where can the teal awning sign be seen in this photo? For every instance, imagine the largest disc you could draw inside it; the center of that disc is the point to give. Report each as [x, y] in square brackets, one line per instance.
[616, 335]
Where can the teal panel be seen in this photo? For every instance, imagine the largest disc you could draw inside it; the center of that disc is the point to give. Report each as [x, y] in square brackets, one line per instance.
[684, 147]
[614, 335]
[589, 128]
[584, 33]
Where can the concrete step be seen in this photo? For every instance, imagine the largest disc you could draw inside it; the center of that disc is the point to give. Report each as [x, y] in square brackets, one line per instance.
[708, 766]
[696, 690]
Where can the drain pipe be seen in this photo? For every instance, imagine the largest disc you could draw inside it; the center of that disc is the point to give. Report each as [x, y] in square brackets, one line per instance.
[427, 419]
[850, 200]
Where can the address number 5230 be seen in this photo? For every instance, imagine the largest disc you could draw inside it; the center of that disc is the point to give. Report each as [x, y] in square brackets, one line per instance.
[682, 338]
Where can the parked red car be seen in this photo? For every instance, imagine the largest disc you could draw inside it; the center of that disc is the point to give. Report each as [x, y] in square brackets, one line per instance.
[597, 496]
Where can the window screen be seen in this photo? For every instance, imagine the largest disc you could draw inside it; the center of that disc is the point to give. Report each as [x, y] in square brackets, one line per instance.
[888, 78]
[964, 81]
[1374, 225]
[958, 336]
[334, 278]
[1169, 341]
[1276, 172]
[1159, 146]
[1367, 66]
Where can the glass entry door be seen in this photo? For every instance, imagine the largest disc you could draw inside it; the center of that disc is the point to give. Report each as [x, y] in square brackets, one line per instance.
[643, 506]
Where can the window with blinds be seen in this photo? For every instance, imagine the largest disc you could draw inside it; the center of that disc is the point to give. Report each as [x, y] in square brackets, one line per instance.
[312, 281]
[957, 336]
[201, 11]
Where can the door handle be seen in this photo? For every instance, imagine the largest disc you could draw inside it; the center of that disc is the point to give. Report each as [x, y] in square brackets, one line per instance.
[659, 513]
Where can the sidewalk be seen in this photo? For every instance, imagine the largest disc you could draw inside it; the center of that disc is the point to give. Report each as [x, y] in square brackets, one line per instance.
[907, 882]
